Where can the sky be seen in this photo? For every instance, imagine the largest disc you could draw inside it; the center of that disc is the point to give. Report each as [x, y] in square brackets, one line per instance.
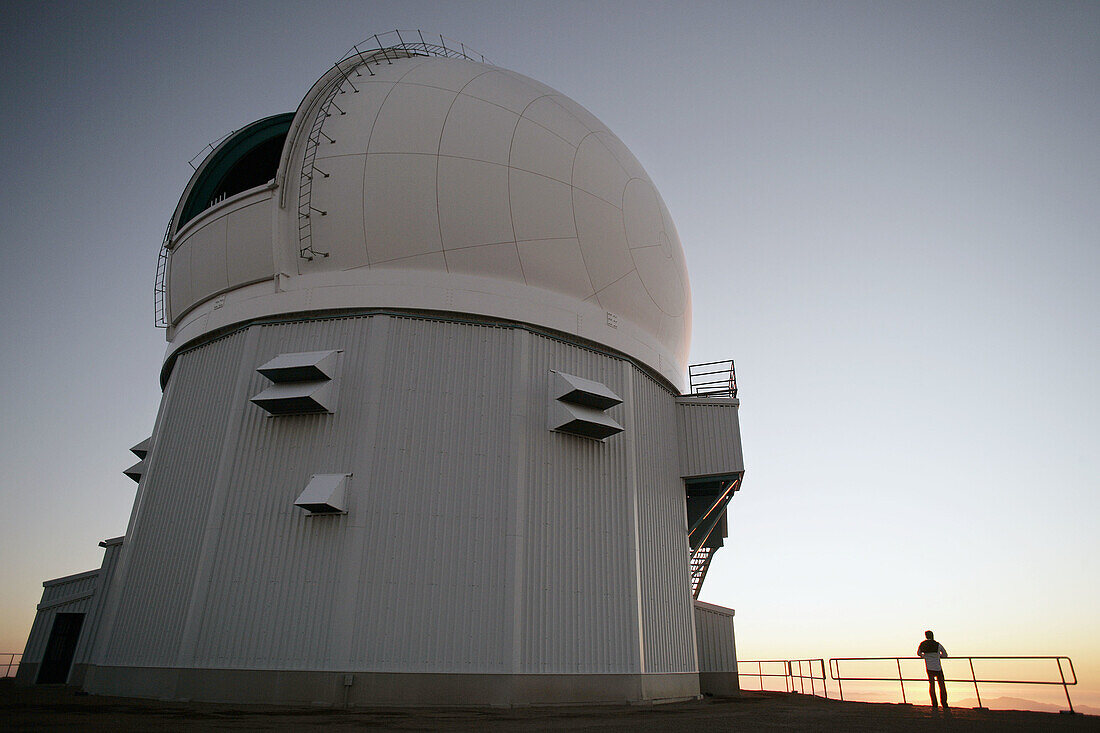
[891, 218]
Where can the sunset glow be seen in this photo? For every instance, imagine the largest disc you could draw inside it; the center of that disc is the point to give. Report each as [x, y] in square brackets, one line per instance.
[889, 216]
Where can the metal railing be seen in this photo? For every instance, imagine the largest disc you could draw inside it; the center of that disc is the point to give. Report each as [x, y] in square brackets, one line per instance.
[713, 379]
[698, 566]
[160, 285]
[834, 672]
[805, 671]
[701, 530]
[794, 672]
[8, 660]
[379, 48]
[415, 42]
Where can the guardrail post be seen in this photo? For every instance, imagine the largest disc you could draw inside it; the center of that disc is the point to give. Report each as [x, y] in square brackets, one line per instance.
[901, 682]
[12, 663]
[1064, 685]
[974, 677]
[839, 683]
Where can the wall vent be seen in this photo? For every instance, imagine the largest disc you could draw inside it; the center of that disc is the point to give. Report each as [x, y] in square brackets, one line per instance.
[305, 366]
[326, 493]
[578, 406]
[135, 471]
[296, 398]
[141, 450]
[578, 391]
[303, 383]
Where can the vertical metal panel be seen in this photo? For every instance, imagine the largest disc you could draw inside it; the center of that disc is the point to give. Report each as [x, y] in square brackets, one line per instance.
[227, 247]
[432, 587]
[208, 267]
[666, 587]
[710, 436]
[579, 612]
[248, 229]
[36, 641]
[714, 634]
[179, 280]
[430, 493]
[161, 548]
[268, 598]
[90, 630]
[519, 426]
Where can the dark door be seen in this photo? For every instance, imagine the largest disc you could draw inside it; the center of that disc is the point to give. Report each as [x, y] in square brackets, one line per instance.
[60, 648]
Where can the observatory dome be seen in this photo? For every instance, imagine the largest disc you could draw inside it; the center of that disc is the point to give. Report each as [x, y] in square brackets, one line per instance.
[436, 184]
[423, 437]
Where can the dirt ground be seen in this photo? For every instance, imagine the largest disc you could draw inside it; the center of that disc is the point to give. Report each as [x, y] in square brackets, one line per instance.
[51, 708]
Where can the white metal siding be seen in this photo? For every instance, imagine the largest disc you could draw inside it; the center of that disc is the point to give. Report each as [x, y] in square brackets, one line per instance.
[58, 596]
[714, 633]
[162, 546]
[90, 630]
[264, 596]
[579, 598]
[666, 586]
[431, 580]
[476, 540]
[710, 436]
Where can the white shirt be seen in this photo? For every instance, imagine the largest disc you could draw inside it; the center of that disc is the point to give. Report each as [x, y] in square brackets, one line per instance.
[932, 659]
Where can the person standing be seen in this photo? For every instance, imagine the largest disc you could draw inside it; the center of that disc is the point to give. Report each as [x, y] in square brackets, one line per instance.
[932, 651]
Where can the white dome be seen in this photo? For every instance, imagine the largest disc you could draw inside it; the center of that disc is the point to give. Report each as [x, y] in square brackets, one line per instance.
[451, 185]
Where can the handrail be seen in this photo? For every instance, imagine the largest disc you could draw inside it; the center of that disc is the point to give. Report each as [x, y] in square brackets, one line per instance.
[718, 382]
[834, 672]
[160, 284]
[802, 676]
[805, 671]
[761, 674]
[388, 47]
[11, 662]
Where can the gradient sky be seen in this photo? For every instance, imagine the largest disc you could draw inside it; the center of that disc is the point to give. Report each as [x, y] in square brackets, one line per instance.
[891, 216]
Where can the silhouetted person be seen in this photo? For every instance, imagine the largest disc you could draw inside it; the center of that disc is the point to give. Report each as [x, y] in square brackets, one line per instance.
[932, 651]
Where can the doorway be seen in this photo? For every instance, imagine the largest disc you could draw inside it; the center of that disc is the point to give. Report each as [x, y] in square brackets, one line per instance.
[60, 648]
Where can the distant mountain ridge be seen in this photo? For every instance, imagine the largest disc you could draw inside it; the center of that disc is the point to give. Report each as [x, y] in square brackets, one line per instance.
[1020, 703]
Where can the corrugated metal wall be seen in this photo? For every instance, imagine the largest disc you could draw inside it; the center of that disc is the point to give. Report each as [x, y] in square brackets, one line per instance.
[714, 633]
[476, 539]
[432, 561]
[710, 436]
[71, 594]
[90, 630]
[580, 582]
[161, 552]
[264, 596]
[662, 517]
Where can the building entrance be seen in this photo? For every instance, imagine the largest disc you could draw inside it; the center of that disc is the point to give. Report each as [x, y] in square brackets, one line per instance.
[60, 648]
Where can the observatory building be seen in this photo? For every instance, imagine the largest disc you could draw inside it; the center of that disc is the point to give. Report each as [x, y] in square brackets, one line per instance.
[428, 434]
